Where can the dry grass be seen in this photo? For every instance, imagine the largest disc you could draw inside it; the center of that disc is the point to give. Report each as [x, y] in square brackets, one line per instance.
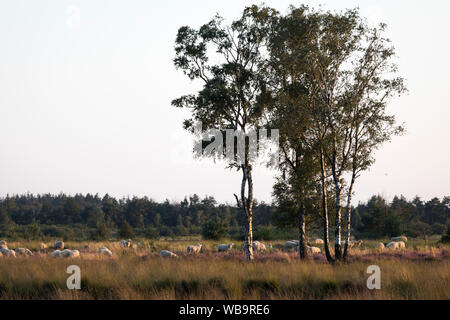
[420, 272]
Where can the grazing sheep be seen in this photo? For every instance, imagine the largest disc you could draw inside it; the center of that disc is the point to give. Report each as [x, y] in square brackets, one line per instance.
[318, 241]
[59, 245]
[353, 243]
[225, 247]
[42, 246]
[396, 245]
[23, 252]
[380, 246]
[313, 250]
[257, 246]
[3, 244]
[56, 254]
[75, 254]
[126, 243]
[194, 248]
[66, 253]
[167, 254]
[105, 251]
[291, 244]
[401, 238]
[7, 253]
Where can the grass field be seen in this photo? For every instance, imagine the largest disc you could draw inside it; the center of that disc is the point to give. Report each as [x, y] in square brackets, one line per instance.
[422, 271]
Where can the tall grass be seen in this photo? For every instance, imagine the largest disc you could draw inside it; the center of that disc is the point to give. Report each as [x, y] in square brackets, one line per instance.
[421, 273]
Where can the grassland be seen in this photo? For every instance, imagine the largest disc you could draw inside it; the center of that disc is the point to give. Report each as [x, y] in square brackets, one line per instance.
[422, 271]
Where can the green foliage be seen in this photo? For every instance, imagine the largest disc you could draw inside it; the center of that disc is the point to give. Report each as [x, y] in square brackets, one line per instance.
[101, 232]
[151, 233]
[266, 233]
[126, 231]
[214, 229]
[32, 232]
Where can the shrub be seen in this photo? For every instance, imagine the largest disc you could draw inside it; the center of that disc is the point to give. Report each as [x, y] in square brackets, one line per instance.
[126, 231]
[214, 229]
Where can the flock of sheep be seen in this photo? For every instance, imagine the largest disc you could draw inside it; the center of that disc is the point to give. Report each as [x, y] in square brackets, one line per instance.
[61, 252]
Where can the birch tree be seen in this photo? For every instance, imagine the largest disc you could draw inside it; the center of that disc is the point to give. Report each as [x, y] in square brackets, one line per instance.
[353, 70]
[228, 61]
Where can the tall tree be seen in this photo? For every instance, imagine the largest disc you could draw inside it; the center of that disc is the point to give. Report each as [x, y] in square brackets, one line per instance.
[227, 60]
[289, 110]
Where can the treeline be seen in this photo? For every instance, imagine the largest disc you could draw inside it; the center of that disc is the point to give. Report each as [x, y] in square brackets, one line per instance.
[90, 217]
[97, 218]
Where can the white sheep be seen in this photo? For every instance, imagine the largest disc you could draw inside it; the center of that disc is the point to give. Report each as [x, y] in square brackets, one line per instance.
[313, 250]
[56, 254]
[401, 238]
[66, 253]
[105, 251]
[23, 252]
[291, 244]
[126, 243]
[256, 245]
[168, 254]
[318, 241]
[3, 244]
[380, 246]
[194, 248]
[42, 246]
[225, 247]
[8, 253]
[396, 245]
[59, 245]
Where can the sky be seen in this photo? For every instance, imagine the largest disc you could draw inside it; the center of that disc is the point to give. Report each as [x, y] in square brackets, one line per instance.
[85, 92]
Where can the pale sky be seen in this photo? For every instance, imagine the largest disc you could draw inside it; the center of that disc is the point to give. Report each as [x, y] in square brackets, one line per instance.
[85, 108]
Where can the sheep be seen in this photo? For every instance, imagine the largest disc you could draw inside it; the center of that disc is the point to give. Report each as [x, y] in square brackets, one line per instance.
[105, 251]
[318, 241]
[56, 254]
[313, 250]
[8, 253]
[380, 246]
[66, 253]
[396, 245]
[3, 244]
[291, 244]
[42, 246]
[126, 243]
[256, 245]
[225, 247]
[168, 254]
[401, 238]
[59, 245]
[194, 248]
[23, 252]
[75, 254]
[353, 243]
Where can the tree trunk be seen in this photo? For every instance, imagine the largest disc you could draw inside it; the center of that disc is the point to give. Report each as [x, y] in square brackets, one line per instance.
[302, 233]
[347, 236]
[247, 206]
[349, 214]
[325, 209]
[337, 224]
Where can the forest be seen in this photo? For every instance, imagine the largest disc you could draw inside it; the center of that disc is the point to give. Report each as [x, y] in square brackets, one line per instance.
[92, 217]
